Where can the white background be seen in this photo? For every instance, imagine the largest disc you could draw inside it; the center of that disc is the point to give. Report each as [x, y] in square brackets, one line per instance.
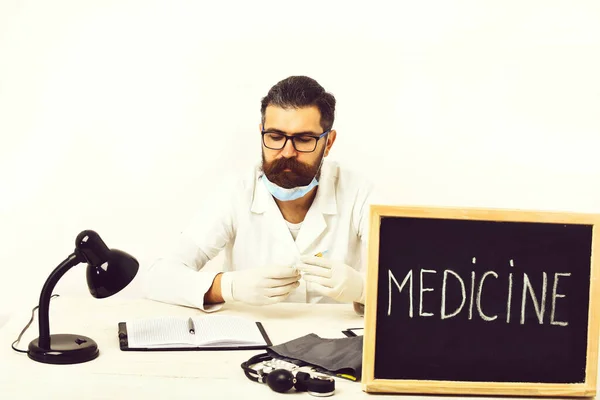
[119, 116]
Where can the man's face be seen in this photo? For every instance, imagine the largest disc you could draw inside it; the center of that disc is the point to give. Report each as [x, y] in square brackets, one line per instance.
[288, 167]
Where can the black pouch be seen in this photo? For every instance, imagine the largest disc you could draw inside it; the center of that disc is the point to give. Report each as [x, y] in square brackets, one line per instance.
[336, 356]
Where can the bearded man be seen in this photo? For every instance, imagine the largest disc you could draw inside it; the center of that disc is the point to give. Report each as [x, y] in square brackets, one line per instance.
[293, 229]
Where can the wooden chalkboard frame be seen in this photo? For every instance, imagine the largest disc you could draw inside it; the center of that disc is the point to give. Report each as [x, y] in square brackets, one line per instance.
[372, 385]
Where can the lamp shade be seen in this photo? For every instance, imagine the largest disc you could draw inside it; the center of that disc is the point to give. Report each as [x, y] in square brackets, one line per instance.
[108, 270]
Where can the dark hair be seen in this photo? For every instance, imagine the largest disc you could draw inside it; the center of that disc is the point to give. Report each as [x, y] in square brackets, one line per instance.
[298, 92]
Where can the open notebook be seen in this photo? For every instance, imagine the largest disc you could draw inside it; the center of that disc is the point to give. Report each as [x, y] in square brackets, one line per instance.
[209, 332]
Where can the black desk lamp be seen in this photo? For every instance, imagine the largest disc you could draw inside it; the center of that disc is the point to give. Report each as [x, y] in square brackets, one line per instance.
[108, 272]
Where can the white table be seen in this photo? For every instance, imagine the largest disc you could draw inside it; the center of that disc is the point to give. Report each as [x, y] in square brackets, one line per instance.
[141, 375]
[159, 375]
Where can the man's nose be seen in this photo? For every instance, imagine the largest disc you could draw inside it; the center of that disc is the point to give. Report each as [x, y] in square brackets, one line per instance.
[288, 150]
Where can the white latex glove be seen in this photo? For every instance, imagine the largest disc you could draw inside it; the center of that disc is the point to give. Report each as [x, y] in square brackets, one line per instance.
[259, 286]
[333, 279]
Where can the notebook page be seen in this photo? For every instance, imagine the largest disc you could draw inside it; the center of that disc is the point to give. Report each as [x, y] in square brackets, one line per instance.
[226, 330]
[160, 332]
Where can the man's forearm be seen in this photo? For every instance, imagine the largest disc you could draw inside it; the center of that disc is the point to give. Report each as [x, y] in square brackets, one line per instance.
[214, 296]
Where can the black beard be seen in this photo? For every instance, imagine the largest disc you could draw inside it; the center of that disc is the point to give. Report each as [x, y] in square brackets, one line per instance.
[299, 174]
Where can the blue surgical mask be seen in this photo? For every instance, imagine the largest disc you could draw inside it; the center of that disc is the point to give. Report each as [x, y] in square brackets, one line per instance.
[284, 194]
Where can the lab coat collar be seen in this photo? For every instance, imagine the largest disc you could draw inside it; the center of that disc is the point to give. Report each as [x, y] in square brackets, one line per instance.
[325, 200]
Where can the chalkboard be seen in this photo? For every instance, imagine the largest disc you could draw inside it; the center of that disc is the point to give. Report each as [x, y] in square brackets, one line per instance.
[481, 302]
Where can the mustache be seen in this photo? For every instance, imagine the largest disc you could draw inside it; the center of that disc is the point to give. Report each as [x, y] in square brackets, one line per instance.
[278, 166]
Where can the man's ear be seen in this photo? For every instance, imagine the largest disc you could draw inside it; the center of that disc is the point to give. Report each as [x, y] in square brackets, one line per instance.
[260, 127]
[330, 140]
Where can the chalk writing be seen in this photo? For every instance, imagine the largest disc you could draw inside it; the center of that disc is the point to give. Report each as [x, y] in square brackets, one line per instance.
[532, 296]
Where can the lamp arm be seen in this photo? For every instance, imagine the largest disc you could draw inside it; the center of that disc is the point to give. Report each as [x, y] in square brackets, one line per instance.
[44, 306]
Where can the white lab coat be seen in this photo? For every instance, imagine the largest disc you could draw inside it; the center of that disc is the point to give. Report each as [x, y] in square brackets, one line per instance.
[245, 222]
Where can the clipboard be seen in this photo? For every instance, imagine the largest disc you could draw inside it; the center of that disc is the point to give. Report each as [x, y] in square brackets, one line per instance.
[124, 345]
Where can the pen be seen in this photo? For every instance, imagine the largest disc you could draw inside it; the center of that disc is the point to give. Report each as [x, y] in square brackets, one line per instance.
[321, 253]
[347, 376]
[191, 326]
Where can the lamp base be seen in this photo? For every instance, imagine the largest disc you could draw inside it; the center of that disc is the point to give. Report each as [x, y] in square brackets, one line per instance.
[64, 349]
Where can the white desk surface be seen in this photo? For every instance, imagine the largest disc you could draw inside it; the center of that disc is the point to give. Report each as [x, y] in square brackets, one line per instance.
[159, 375]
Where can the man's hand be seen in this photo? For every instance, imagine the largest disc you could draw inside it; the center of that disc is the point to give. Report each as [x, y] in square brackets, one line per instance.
[259, 286]
[333, 279]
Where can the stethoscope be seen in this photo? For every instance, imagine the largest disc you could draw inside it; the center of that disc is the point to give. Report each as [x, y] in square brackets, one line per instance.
[281, 376]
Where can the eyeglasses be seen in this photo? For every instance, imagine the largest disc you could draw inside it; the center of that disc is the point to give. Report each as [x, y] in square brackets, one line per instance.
[302, 143]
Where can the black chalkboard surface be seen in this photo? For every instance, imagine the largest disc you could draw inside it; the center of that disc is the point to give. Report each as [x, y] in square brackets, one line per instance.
[481, 302]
